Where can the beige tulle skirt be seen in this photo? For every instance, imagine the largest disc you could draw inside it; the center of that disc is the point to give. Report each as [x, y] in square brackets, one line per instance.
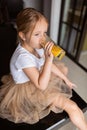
[25, 103]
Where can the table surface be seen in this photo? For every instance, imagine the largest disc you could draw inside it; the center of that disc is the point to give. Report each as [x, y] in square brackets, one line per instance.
[51, 121]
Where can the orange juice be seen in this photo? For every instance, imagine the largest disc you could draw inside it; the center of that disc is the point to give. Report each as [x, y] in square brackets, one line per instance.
[56, 50]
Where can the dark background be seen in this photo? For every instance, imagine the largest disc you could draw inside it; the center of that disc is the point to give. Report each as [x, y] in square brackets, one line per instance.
[8, 34]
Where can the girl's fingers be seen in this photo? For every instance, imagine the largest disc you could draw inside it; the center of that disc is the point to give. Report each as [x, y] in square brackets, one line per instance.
[51, 45]
[48, 48]
[74, 85]
[71, 85]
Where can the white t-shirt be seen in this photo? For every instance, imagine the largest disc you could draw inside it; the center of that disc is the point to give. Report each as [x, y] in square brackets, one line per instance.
[22, 58]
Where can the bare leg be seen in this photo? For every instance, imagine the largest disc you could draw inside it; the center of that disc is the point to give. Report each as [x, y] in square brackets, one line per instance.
[74, 112]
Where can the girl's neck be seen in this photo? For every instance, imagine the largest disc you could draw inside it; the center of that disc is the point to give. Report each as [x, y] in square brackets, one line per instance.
[31, 50]
[28, 48]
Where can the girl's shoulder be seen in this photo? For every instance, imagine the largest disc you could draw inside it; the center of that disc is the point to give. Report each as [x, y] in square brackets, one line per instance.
[20, 51]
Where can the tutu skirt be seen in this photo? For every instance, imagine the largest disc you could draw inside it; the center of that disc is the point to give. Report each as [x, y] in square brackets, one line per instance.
[25, 103]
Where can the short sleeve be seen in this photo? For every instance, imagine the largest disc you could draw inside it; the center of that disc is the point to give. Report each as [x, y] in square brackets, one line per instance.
[24, 61]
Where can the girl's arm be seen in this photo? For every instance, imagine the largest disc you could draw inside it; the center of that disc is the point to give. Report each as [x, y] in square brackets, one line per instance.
[57, 72]
[41, 79]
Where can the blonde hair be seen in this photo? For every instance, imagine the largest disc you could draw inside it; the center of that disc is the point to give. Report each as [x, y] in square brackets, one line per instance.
[27, 19]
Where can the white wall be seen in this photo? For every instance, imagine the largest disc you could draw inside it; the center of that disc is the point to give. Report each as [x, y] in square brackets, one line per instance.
[55, 18]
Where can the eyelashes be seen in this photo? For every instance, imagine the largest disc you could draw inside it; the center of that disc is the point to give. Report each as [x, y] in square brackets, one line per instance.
[37, 34]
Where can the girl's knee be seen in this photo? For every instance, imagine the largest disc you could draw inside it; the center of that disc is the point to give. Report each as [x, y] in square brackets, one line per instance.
[74, 105]
[71, 106]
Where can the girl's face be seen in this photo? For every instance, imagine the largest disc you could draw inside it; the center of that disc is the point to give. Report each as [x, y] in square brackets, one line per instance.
[38, 34]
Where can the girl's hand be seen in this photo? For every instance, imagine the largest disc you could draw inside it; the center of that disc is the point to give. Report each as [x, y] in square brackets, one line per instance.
[70, 84]
[48, 53]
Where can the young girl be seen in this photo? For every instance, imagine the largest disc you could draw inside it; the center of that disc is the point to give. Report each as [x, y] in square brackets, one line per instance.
[36, 84]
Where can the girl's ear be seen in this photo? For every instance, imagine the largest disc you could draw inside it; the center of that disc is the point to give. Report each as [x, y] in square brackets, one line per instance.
[22, 36]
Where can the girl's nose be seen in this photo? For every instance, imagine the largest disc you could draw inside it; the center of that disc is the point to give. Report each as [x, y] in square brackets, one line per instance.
[43, 37]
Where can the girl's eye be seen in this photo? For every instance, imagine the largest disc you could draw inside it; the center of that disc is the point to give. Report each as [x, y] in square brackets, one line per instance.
[36, 34]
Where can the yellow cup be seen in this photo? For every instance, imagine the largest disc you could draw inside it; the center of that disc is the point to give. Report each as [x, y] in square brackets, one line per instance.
[56, 50]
